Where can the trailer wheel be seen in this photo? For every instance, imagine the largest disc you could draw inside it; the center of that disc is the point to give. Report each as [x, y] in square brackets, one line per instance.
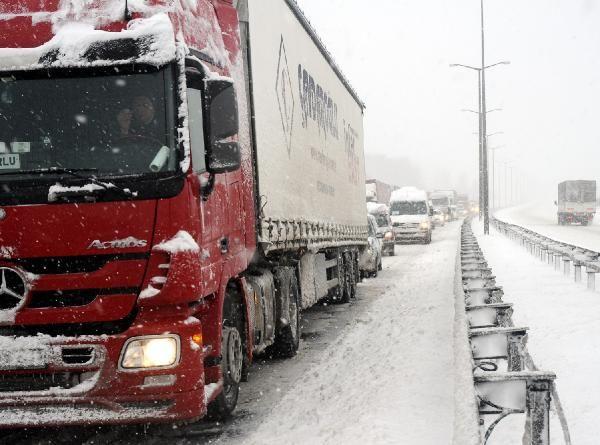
[287, 339]
[348, 288]
[232, 359]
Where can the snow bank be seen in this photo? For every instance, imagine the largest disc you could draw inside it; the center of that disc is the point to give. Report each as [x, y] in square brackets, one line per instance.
[564, 334]
[408, 194]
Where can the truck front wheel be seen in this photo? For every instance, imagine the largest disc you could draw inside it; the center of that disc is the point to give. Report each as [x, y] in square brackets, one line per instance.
[232, 360]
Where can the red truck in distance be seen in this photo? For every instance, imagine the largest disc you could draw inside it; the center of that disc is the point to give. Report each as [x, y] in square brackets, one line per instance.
[175, 190]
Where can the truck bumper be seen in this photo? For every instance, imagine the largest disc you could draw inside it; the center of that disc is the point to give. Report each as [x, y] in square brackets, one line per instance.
[80, 381]
[417, 235]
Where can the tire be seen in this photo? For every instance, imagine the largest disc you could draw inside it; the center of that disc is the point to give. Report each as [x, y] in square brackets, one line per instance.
[348, 289]
[287, 339]
[232, 361]
[392, 251]
[428, 239]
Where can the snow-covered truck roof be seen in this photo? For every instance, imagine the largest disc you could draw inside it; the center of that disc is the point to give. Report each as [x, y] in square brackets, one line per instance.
[374, 208]
[66, 33]
[408, 194]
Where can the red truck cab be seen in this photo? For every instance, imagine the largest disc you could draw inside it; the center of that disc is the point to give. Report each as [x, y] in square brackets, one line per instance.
[126, 211]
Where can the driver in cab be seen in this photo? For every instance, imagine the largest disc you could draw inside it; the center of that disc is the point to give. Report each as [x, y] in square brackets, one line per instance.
[139, 120]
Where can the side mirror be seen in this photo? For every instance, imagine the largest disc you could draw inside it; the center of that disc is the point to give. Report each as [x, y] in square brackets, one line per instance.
[430, 211]
[221, 105]
[222, 122]
[224, 157]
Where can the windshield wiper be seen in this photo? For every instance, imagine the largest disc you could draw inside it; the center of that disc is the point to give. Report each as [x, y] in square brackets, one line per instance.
[58, 170]
[77, 173]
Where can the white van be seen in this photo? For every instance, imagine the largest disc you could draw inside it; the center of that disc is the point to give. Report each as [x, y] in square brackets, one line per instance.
[411, 215]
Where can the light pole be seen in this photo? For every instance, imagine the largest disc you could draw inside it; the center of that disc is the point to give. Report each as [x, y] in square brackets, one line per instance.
[493, 149]
[483, 167]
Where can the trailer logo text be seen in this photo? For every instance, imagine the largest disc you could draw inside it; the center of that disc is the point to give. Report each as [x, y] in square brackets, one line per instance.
[317, 104]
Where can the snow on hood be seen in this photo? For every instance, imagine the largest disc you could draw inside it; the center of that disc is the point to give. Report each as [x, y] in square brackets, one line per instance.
[75, 43]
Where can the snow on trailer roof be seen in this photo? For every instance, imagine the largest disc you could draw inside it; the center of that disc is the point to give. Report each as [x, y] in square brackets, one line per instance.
[409, 194]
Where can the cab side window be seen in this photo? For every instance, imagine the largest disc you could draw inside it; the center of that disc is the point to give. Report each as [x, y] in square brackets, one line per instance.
[196, 120]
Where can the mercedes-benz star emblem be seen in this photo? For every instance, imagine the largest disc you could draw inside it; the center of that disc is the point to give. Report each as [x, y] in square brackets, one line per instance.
[12, 289]
[2, 214]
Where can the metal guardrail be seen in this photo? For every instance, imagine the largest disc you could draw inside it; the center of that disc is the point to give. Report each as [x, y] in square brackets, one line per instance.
[519, 388]
[557, 253]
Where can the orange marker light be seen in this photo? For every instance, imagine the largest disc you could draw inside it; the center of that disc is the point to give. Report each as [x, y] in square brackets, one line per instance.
[197, 338]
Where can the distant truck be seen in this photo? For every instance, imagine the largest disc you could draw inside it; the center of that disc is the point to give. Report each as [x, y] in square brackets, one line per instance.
[445, 200]
[411, 215]
[378, 191]
[576, 202]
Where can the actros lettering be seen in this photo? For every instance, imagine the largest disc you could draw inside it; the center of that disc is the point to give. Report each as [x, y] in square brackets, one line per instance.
[317, 104]
[126, 243]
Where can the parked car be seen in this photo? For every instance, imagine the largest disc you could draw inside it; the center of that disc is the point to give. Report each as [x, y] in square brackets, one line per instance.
[370, 259]
[385, 233]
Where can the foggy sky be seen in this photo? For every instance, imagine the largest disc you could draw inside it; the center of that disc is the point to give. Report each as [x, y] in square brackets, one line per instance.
[396, 54]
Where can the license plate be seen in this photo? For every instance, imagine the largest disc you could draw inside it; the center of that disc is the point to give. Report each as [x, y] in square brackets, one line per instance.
[9, 161]
[23, 359]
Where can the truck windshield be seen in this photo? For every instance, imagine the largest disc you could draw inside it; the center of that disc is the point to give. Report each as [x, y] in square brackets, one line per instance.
[408, 208]
[439, 201]
[116, 122]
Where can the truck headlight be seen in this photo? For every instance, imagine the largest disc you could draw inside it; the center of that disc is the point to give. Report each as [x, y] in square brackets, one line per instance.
[424, 225]
[157, 351]
[388, 236]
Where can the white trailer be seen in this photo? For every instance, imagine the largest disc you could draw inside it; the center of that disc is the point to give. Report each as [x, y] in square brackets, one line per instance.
[307, 136]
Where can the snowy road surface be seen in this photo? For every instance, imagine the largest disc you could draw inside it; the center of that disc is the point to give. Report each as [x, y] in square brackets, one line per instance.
[541, 218]
[377, 371]
[564, 335]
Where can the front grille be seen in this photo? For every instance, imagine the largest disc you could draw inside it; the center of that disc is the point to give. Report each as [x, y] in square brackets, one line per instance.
[72, 329]
[38, 381]
[77, 356]
[74, 297]
[74, 264]
[402, 226]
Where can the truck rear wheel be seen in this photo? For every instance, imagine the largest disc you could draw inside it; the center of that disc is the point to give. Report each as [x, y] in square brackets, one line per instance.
[348, 287]
[232, 359]
[287, 339]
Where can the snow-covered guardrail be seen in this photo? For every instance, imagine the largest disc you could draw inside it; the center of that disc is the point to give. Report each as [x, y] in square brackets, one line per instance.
[519, 387]
[559, 254]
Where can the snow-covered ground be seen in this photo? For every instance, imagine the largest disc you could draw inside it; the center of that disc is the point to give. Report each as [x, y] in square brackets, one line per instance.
[564, 336]
[541, 218]
[389, 379]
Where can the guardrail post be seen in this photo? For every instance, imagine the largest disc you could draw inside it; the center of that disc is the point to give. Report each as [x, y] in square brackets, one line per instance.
[543, 254]
[591, 279]
[538, 413]
[577, 267]
[566, 265]
[557, 259]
